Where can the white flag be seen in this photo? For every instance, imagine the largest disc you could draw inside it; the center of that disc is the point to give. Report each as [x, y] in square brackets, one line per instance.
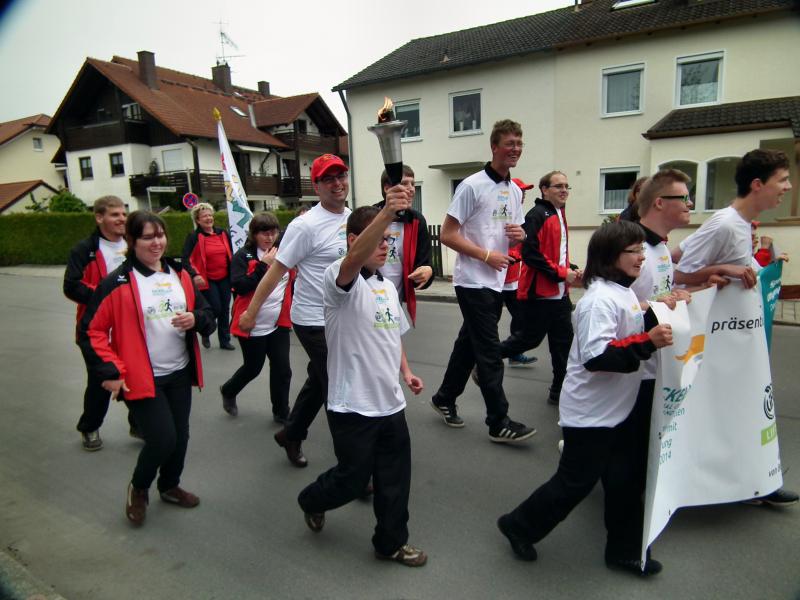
[239, 213]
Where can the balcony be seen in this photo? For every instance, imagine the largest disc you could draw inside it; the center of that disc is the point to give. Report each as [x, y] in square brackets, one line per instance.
[291, 187]
[212, 182]
[310, 142]
[100, 135]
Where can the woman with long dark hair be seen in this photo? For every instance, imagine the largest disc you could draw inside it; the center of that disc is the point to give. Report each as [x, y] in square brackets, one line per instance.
[597, 414]
[151, 358]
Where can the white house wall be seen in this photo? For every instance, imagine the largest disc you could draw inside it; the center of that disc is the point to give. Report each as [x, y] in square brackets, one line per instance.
[19, 161]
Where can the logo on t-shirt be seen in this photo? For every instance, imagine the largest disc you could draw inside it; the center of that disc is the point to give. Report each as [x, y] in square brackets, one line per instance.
[384, 317]
[341, 235]
[502, 209]
[162, 305]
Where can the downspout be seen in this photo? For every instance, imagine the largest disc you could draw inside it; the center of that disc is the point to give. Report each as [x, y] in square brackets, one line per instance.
[350, 148]
[196, 160]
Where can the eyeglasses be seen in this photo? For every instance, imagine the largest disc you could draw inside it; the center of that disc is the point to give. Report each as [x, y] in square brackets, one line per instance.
[685, 198]
[328, 179]
[560, 186]
[639, 251]
[512, 145]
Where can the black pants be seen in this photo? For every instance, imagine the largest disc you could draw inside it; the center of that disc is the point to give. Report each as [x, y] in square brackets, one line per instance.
[314, 393]
[164, 423]
[377, 447]
[218, 296]
[477, 344]
[95, 406]
[612, 455]
[514, 309]
[551, 318]
[255, 351]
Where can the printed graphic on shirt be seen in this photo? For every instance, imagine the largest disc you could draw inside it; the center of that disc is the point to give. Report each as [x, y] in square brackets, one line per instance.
[341, 235]
[161, 305]
[502, 209]
[393, 254]
[384, 317]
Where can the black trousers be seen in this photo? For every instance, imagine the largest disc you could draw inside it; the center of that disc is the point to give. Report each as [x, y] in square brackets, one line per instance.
[612, 455]
[164, 423]
[255, 351]
[95, 406]
[314, 393]
[377, 447]
[218, 296]
[477, 344]
[514, 309]
[540, 318]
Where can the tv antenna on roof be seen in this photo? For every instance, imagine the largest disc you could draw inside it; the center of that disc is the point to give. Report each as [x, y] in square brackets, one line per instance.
[225, 40]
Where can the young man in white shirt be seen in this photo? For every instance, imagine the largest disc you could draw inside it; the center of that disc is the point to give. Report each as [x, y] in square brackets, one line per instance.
[483, 220]
[311, 243]
[366, 407]
[723, 244]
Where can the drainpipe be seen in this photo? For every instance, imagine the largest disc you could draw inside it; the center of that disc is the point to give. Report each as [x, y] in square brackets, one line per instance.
[350, 148]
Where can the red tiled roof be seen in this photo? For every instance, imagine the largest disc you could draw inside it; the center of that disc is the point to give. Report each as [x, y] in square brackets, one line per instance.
[11, 192]
[11, 129]
[278, 111]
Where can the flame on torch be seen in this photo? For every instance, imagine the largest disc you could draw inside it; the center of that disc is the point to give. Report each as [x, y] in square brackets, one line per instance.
[386, 113]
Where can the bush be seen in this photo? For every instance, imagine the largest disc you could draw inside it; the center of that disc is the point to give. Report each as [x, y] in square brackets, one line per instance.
[66, 202]
[47, 238]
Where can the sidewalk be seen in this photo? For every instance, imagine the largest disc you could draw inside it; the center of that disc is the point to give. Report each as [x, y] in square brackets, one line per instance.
[787, 312]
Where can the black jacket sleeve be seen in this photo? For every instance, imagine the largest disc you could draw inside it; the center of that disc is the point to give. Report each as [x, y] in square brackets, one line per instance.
[204, 322]
[242, 283]
[188, 248]
[74, 288]
[531, 249]
[423, 256]
[623, 356]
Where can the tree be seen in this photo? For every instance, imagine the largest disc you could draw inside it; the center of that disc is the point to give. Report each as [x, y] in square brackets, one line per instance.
[65, 202]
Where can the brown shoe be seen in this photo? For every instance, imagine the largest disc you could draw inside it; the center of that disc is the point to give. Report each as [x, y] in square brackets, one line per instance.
[180, 497]
[136, 505]
[406, 555]
[294, 452]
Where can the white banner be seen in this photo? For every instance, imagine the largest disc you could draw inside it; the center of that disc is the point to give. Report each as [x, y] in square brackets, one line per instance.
[713, 437]
[239, 213]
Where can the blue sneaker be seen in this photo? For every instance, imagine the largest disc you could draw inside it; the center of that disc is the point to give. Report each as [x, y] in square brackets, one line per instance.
[520, 360]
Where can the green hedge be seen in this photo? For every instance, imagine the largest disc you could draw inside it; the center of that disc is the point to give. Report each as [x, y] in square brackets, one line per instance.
[46, 238]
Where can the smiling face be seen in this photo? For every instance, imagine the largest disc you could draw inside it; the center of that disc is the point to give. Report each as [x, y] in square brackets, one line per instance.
[506, 152]
[332, 188]
[266, 239]
[676, 212]
[770, 192]
[205, 220]
[630, 260]
[150, 246]
[558, 191]
[112, 223]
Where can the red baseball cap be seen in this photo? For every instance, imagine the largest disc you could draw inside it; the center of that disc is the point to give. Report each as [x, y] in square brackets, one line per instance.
[323, 164]
[522, 185]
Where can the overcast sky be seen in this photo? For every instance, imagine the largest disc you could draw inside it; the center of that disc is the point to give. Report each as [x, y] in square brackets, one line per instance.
[299, 46]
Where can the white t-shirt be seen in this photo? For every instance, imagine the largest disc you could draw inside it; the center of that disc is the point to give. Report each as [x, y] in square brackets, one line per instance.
[267, 317]
[562, 256]
[162, 298]
[724, 239]
[311, 243]
[113, 253]
[655, 280]
[483, 208]
[363, 326]
[606, 312]
[393, 269]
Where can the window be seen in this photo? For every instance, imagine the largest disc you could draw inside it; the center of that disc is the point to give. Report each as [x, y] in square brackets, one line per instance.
[302, 126]
[173, 159]
[86, 167]
[614, 186]
[132, 112]
[720, 184]
[409, 111]
[238, 111]
[465, 110]
[629, 3]
[699, 79]
[417, 202]
[690, 169]
[622, 90]
[37, 144]
[117, 166]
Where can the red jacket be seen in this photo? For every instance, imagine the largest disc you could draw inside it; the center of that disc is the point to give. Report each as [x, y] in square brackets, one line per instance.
[194, 253]
[541, 250]
[86, 267]
[115, 307]
[246, 272]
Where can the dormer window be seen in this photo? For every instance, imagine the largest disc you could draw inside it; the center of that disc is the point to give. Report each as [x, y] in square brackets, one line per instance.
[238, 111]
[629, 3]
[132, 112]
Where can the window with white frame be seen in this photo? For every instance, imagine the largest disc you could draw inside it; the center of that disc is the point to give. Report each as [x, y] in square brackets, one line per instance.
[173, 159]
[622, 90]
[699, 79]
[720, 183]
[37, 144]
[614, 186]
[85, 163]
[465, 112]
[117, 165]
[688, 167]
[409, 111]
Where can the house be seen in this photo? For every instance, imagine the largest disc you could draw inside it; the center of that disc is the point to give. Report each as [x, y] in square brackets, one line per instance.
[606, 91]
[18, 196]
[147, 134]
[26, 151]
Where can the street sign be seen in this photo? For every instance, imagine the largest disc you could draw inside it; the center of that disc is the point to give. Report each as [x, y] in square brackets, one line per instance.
[190, 200]
[162, 188]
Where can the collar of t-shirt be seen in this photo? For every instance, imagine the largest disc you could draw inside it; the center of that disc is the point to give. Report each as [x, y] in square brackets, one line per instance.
[366, 274]
[494, 175]
[651, 237]
[144, 269]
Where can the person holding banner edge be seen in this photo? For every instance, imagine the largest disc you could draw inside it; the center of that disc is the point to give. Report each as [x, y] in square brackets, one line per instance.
[612, 338]
[723, 244]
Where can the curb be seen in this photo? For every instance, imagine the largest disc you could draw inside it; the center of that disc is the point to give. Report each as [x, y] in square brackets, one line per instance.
[16, 583]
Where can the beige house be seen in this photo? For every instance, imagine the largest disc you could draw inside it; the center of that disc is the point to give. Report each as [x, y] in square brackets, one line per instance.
[27, 151]
[606, 91]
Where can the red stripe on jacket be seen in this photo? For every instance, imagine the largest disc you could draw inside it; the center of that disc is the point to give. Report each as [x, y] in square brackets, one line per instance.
[242, 301]
[541, 272]
[194, 252]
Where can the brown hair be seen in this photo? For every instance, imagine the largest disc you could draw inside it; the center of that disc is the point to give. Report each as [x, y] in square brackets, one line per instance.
[606, 246]
[407, 172]
[655, 185]
[360, 219]
[263, 221]
[102, 204]
[547, 177]
[134, 226]
[503, 127]
[758, 164]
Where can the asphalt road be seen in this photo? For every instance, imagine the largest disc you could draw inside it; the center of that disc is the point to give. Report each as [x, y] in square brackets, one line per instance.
[61, 508]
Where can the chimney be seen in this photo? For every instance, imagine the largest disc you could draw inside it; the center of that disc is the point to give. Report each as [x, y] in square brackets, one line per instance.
[263, 88]
[221, 76]
[147, 69]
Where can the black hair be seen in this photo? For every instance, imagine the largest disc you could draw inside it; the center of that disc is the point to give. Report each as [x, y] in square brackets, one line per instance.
[605, 247]
[758, 164]
[360, 219]
[134, 226]
[263, 221]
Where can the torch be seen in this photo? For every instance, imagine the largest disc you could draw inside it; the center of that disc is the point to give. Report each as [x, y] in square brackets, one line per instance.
[388, 130]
